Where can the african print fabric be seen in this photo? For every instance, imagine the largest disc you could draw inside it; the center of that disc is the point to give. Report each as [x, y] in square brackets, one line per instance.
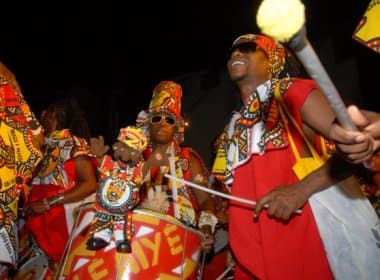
[256, 128]
[56, 175]
[17, 161]
[367, 32]
[117, 195]
[187, 204]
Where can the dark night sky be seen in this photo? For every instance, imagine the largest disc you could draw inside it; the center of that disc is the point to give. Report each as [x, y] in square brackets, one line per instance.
[102, 50]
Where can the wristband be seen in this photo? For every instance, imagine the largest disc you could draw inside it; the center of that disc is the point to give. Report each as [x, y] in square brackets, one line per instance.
[38, 130]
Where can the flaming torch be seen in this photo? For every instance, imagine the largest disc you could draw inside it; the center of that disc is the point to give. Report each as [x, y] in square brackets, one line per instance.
[284, 20]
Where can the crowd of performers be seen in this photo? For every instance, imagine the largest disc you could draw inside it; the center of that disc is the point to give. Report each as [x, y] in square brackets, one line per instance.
[67, 196]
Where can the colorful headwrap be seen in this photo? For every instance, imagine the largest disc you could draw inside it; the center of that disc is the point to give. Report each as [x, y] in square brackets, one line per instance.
[166, 98]
[133, 137]
[274, 50]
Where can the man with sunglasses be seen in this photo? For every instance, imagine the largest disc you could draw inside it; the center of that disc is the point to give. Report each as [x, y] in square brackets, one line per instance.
[163, 124]
[255, 156]
[161, 119]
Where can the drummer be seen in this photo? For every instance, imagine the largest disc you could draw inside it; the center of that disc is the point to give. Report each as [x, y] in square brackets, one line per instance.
[164, 126]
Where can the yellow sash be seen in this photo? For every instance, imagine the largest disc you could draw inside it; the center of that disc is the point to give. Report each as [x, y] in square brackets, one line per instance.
[303, 165]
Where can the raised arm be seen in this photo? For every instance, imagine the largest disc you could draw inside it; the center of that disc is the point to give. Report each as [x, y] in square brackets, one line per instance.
[358, 146]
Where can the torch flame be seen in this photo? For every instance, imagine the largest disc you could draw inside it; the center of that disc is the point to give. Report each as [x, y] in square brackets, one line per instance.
[280, 19]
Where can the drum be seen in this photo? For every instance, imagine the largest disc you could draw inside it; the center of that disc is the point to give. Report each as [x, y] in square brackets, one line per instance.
[162, 248]
[32, 263]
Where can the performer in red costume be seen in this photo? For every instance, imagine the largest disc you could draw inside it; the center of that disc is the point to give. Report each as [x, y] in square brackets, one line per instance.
[164, 125]
[64, 181]
[257, 156]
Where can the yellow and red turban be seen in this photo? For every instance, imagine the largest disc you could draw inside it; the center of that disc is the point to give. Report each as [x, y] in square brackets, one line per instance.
[133, 137]
[166, 98]
[274, 50]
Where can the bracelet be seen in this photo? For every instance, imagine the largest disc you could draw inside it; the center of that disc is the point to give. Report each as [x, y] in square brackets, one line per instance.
[208, 219]
[56, 200]
[38, 130]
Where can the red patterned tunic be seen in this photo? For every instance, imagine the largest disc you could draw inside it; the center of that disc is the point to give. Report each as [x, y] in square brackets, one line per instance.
[266, 247]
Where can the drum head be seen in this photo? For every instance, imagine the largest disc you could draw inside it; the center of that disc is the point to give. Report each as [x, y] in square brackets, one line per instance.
[162, 248]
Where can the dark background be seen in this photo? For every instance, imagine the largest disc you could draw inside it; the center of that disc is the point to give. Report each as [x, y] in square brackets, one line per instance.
[111, 54]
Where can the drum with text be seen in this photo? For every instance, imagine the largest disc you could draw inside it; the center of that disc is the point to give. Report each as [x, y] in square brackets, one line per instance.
[162, 248]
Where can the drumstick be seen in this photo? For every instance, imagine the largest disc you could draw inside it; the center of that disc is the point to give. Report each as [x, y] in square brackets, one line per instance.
[224, 273]
[228, 196]
[174, 184]
[60, 270]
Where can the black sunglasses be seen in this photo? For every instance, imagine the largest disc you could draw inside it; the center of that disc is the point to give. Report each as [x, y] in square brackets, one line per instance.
[158, 119]
[245, 47]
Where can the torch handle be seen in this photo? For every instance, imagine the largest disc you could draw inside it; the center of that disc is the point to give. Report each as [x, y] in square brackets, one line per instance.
[310, 60]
